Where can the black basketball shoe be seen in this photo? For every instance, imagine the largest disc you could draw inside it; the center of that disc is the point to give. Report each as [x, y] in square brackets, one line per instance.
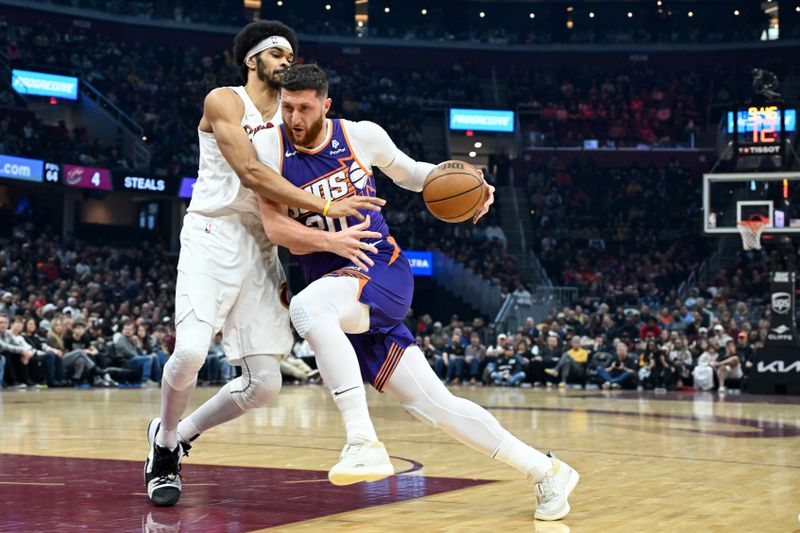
[162, 470]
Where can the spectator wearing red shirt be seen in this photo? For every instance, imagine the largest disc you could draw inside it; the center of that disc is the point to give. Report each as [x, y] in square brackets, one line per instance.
[650, 329]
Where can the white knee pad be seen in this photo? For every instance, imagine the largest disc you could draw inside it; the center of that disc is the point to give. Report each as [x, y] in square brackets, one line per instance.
[191, 349]
[329, 300]
[257, 388]
[299, 313]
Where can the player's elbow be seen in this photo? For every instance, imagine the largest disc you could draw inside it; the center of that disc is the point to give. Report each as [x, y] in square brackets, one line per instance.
[275, 231]
[273, 235]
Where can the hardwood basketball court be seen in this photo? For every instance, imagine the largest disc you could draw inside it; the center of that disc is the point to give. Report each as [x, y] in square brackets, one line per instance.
[72, 460]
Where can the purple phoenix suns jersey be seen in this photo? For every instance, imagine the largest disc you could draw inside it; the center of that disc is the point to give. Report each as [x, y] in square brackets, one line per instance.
[331, 172]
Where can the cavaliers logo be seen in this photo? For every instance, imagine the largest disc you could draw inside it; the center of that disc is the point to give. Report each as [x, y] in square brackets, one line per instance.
[283, 295]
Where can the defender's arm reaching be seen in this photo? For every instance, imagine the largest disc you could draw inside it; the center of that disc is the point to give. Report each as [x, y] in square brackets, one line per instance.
[221, 107]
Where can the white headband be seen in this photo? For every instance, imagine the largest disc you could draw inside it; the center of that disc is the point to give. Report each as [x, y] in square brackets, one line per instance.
[273, 41]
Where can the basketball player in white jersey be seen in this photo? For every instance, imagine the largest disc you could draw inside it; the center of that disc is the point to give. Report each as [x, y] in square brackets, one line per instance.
[229, 275]
[353, 320]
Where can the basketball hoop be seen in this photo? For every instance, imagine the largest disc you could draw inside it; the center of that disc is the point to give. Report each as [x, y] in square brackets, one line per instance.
[750, 231]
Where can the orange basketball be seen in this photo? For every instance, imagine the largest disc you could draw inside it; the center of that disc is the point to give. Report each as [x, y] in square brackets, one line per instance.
[453, 191]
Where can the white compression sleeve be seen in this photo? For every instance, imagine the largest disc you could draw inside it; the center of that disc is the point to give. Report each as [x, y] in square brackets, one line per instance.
[407, 173]
[374, 147]
[322, 313]
[422, 394]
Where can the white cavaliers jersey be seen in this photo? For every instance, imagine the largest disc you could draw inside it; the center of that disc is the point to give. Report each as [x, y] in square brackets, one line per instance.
[218, 190]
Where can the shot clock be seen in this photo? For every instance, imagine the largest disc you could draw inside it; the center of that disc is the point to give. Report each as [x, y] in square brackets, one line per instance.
[760, 130]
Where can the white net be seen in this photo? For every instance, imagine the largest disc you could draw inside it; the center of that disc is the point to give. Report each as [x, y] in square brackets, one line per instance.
[750, 231]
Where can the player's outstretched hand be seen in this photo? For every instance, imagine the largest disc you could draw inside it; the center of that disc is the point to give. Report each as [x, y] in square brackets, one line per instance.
[348, 244]
[348, 207]
[485, 209]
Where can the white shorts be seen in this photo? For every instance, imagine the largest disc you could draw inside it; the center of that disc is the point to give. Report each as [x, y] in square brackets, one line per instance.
[229, 274]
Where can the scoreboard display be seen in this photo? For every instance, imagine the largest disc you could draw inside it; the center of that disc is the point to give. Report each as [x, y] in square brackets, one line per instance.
[103, 180]
[760, 130]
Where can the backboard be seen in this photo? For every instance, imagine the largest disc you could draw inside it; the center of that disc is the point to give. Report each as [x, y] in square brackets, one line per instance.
[734, 197]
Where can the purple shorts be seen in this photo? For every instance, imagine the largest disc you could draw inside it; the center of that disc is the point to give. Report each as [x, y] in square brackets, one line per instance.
[388, 289]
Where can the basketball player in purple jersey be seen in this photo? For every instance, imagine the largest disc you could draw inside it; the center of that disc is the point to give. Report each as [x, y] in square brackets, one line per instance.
[353, 318]
[229, 275]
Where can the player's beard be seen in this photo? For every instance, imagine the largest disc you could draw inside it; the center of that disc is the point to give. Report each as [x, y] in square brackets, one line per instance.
[310, 135]
[273, 80]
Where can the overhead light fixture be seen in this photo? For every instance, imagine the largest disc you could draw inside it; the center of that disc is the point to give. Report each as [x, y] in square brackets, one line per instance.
[591, 14]
[630, 15]
[533, 15]
[482, 14]
[327, 7]
[424, 12]
[473, 154]
[478, 144]
[691, 14]
[386, 9]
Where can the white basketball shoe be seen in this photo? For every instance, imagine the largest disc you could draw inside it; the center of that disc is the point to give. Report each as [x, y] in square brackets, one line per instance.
[554, 489]
[361, 461]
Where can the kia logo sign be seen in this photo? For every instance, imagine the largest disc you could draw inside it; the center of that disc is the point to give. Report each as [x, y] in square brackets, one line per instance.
[778, 367]
[781, 302]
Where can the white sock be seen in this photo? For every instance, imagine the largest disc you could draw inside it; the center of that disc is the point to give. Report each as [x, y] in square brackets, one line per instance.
[217, 410]
[167, 438]
[187, 429]
[530, 461]
[352, 404]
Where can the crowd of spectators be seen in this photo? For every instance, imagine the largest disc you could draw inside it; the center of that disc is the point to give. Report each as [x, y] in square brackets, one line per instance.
[75, 313]
[118, 298]
[694, 344]
[638, 104]
[617, 233]
[140, 78]
[620, 107]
